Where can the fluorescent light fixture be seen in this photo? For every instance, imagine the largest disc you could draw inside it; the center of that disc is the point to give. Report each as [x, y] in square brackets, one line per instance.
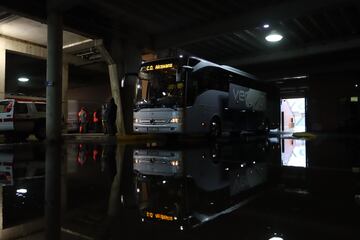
[77, 43]
[23, 79]
[266, 26]
[354, 99]
[21, 190]
[276, 238]
[295, 77]
[274, 37]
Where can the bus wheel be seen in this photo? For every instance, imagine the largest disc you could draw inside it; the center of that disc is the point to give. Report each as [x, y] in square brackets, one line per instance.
[264, 128]
[215, 128]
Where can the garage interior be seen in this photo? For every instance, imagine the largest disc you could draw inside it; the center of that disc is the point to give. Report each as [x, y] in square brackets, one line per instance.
[319, 48]
[314, 64]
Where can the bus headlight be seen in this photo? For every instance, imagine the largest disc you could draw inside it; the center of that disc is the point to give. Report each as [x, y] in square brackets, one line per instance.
[175, 120]
[136, 120]
[174, 163]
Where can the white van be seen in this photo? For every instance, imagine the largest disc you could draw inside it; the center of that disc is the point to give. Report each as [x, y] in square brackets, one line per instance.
[20, 117]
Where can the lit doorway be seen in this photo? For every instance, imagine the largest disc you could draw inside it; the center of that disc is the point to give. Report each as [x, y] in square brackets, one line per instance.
[293, 113]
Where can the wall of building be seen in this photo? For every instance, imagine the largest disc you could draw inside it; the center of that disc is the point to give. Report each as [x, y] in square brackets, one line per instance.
[91, 96]
[329, 106]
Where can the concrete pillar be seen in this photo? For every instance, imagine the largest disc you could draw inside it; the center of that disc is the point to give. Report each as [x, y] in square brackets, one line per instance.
[54, 75]
[1, 208]
[2, 71]
[52, 191]
[65, 87]
[128, 60]
[114, 197]
[115, 91]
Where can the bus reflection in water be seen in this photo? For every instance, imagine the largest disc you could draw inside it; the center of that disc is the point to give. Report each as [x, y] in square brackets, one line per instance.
[192, 95]
[191, 186]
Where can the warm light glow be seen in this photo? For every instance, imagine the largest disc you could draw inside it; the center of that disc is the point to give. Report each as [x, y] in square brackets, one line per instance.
[175, 120]
[174, 163]
[158, 66]
[274, 37]
[23, 79]
[159, 216]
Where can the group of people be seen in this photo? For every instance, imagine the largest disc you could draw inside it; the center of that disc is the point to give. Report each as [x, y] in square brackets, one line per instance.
[104, 120]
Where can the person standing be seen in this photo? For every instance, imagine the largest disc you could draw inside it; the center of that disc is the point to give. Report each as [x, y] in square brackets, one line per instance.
[104, 118]
[111, 117]
[96, 121]
[83, 120]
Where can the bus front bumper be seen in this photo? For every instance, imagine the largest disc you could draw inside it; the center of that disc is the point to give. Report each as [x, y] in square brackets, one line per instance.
[166, 128]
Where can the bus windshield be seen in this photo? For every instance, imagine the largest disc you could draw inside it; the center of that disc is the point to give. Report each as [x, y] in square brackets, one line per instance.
[160, 88]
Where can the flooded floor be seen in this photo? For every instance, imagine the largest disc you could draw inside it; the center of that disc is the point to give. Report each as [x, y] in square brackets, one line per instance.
[248, 188]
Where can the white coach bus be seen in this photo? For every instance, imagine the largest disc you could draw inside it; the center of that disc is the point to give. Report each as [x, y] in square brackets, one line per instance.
[194, 96]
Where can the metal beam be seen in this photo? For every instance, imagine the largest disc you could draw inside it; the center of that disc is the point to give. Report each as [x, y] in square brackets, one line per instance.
[282, 11]
[295, 53]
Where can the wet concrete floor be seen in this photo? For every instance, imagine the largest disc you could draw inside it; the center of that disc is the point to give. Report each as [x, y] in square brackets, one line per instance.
[247, 188]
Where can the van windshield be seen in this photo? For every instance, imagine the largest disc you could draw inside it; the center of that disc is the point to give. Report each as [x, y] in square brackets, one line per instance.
[5, 106]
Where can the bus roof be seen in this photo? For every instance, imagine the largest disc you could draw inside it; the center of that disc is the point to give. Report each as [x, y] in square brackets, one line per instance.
[225, 67]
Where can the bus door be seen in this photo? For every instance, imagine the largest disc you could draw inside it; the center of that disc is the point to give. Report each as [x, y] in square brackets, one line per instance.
[7, 115]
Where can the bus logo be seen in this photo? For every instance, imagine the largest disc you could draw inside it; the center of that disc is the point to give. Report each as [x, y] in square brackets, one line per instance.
[239, 95]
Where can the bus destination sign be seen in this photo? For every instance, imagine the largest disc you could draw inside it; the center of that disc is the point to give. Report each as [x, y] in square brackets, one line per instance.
[158, 66]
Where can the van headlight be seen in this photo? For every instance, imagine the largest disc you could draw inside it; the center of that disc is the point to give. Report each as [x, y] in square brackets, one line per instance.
[136, 120]
[175, 120]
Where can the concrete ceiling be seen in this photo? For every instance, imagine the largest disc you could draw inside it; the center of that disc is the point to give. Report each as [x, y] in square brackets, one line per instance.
[32, 31]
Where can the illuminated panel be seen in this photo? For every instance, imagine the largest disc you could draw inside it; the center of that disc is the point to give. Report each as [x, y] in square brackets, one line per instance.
[354, 99]
[158, 66]
[293, 153]
[159, 216]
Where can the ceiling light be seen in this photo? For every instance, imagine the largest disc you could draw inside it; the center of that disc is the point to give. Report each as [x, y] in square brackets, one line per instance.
[276, 238]
[23, 79]
[21, 190]
[274, 37]
[266, 26]
[181, 56]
